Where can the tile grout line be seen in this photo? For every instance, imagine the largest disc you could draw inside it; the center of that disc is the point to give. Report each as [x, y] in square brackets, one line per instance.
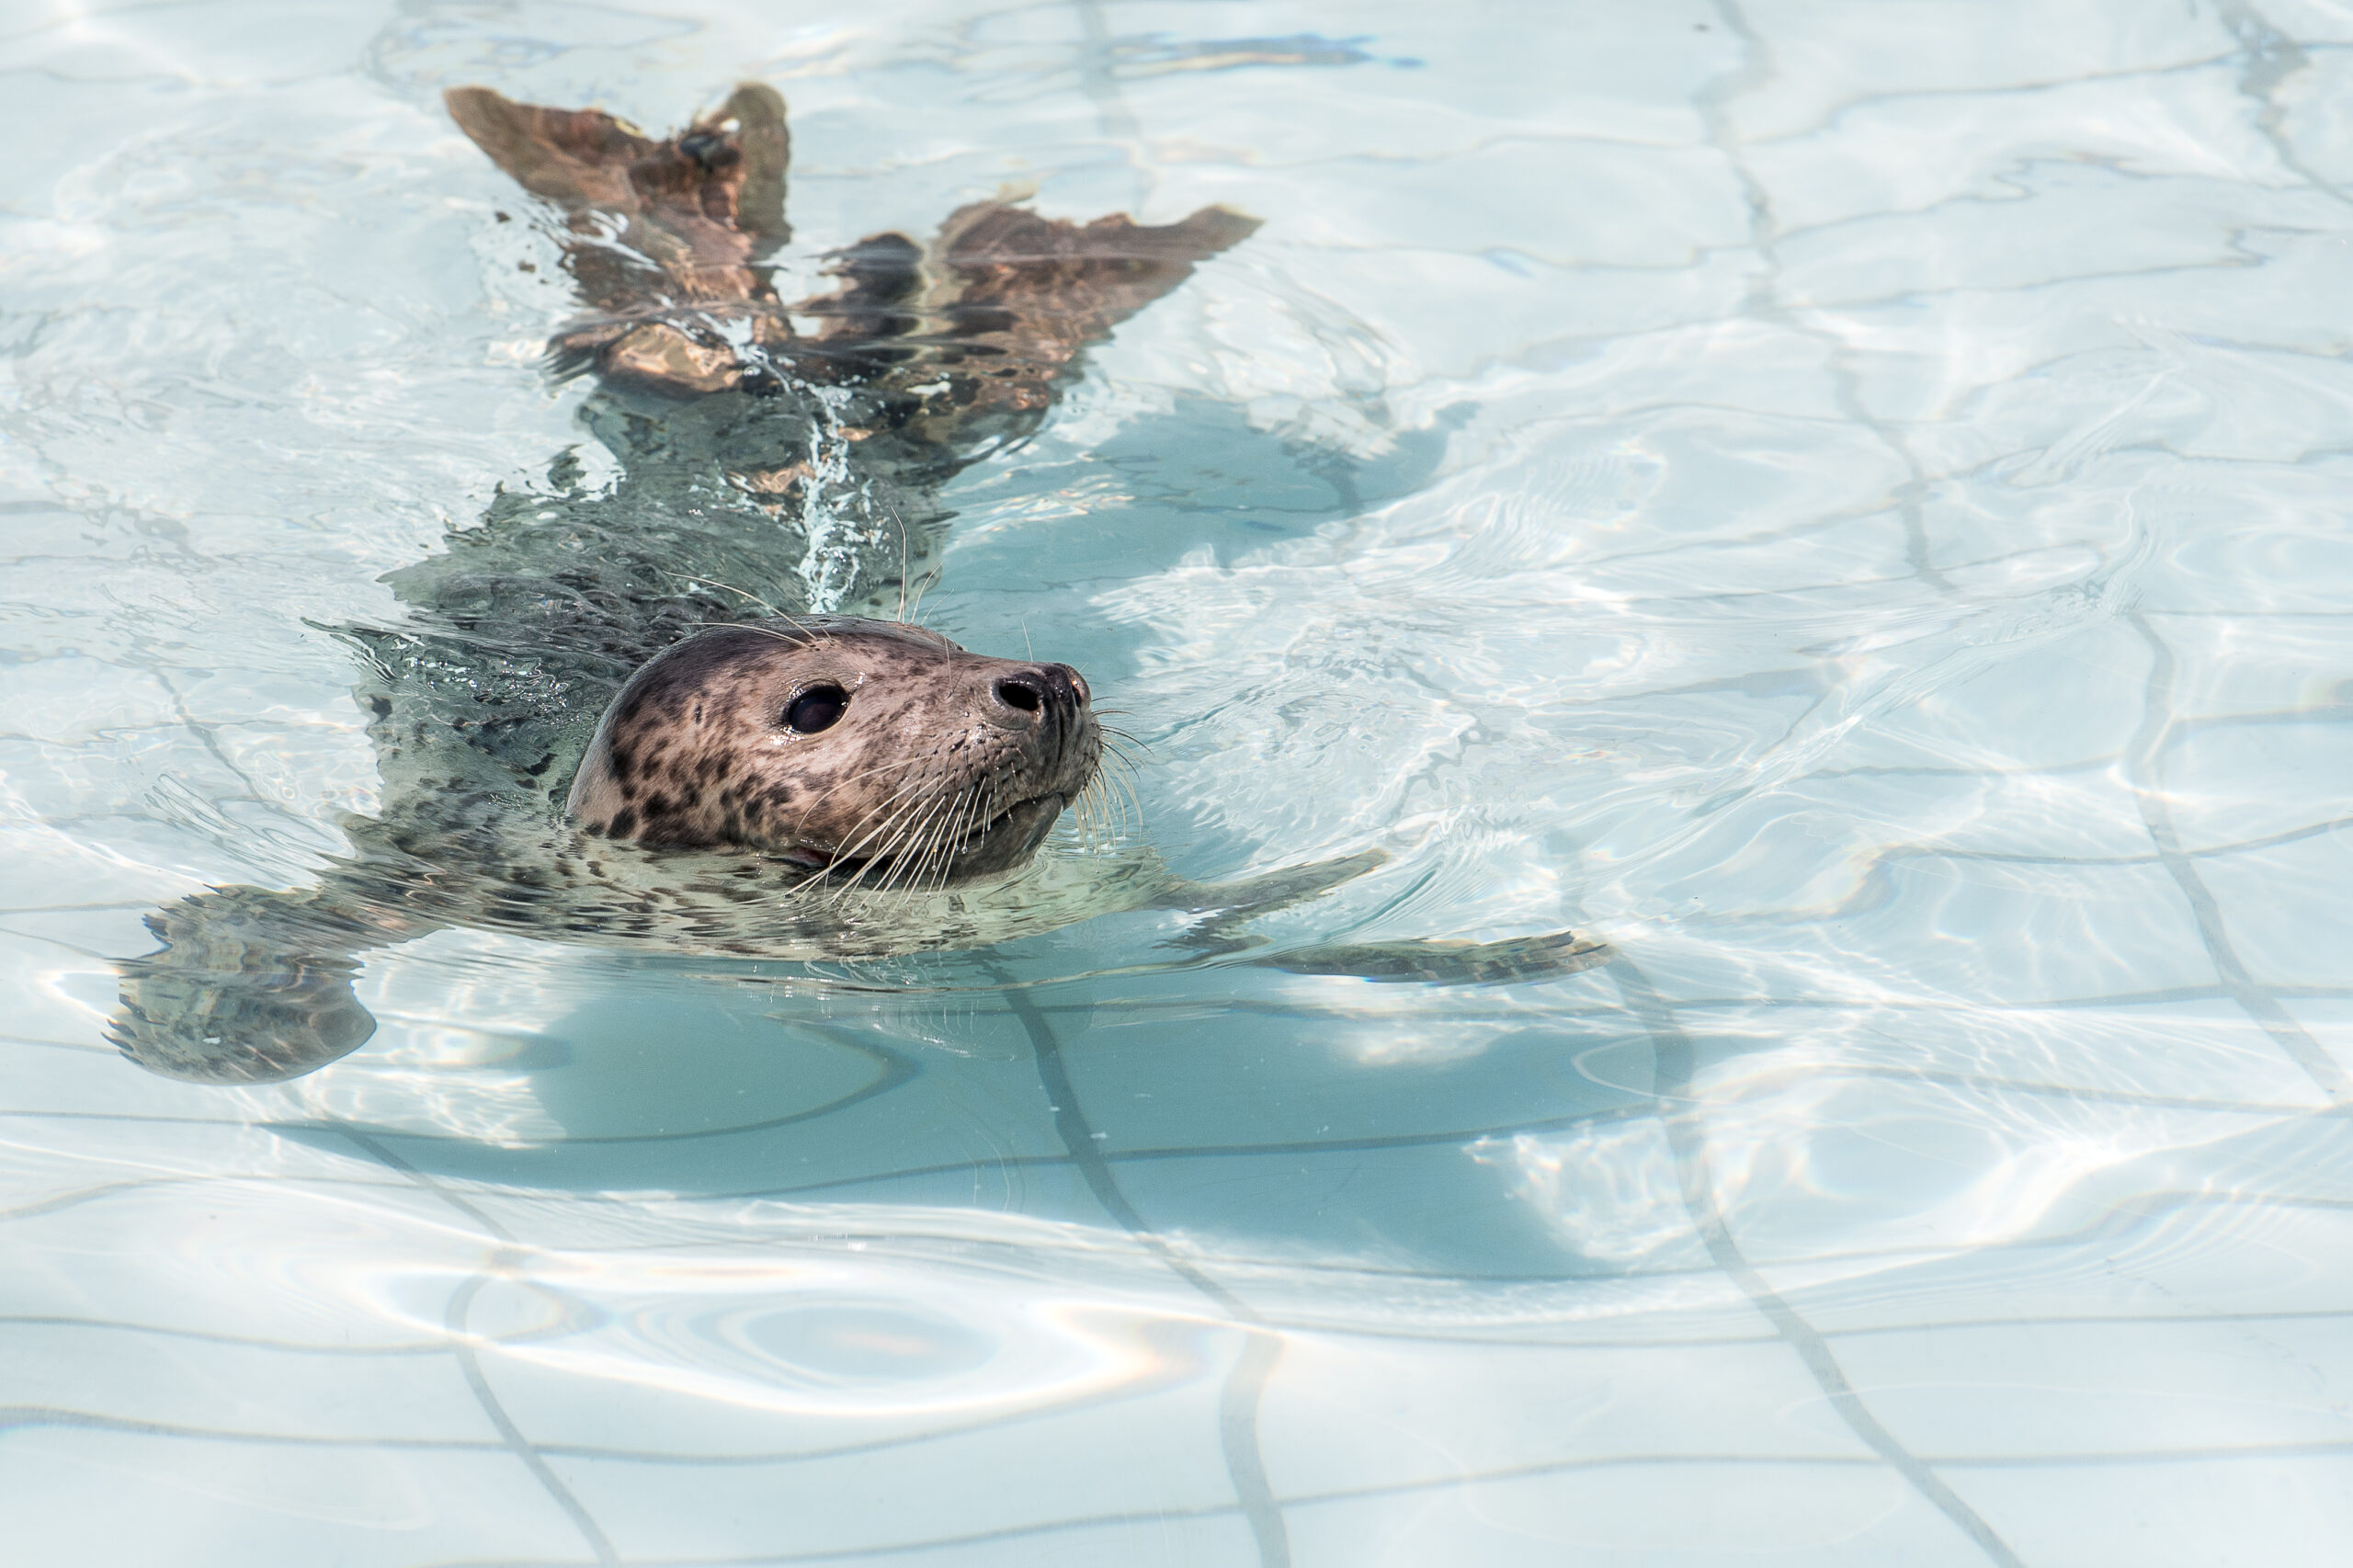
[1678, 1115]
[2144, 770]
[1112, 116]
[1246, 1384]
[469, 1365]
[1671, 1047]
[1763, 302]
[2271, 58]
[1113, 119]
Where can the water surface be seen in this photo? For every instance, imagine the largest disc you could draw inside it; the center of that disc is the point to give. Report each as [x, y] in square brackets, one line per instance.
[1845, 502]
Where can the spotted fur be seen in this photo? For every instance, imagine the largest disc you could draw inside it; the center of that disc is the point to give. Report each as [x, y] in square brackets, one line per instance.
[927, 766]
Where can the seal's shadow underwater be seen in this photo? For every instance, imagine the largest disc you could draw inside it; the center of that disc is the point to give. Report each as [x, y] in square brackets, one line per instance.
[665, 711]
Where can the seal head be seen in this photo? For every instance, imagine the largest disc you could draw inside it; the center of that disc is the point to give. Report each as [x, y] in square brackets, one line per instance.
[841, 743]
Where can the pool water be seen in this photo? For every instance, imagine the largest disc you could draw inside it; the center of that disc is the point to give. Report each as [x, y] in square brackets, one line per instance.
[1845, 503]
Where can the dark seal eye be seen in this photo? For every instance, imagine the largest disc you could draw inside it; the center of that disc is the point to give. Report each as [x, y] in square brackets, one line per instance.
[816, 708]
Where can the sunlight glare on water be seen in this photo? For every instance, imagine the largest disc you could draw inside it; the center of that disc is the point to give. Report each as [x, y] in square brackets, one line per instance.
[1844, 503]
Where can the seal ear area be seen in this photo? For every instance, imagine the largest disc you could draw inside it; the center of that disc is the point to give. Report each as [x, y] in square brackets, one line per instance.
[673, 727]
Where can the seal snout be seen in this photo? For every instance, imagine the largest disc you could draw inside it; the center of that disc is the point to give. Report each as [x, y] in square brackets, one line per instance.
[1021, 695]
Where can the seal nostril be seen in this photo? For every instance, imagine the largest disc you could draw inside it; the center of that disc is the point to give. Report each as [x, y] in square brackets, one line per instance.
[1015, 691]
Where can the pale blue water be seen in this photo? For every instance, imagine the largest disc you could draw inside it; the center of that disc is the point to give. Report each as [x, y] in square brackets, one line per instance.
[1845, 502]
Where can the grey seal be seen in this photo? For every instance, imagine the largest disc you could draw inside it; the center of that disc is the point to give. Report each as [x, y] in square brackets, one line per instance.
[674, 709]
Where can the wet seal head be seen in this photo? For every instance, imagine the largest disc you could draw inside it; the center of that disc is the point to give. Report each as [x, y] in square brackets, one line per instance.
[871, 748]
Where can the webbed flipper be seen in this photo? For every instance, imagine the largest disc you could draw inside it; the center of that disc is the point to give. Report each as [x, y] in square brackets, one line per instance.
[668, 238]
[1509, 962]
[990, 319]
[251, 986]
[1230, 905]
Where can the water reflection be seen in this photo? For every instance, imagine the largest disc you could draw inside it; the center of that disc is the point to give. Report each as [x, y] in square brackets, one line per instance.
[1846, 506]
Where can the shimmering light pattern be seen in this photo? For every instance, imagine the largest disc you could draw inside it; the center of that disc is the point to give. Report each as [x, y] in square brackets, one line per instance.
[1845, 502]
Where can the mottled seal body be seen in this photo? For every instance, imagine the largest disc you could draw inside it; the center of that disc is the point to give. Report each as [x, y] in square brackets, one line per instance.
[670, 709]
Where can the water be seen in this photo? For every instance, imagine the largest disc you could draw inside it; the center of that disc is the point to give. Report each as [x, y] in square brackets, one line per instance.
[1843, 503]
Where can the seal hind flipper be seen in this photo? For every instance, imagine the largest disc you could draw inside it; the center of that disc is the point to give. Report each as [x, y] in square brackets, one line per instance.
[996, 310]
[1001, 305]
[251, 986]
[701, 213]
[703, 205]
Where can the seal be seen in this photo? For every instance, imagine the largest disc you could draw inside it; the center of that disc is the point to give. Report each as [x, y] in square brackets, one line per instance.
[680, 708]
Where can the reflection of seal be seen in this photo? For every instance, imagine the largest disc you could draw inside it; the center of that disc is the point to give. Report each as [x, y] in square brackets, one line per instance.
[864, 747]
[777, 472]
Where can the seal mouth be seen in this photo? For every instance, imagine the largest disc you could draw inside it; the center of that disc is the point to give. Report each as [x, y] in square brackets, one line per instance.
[999, 843]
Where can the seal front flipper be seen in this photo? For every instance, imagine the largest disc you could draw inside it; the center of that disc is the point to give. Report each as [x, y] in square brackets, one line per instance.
[251, 986]
[1434, 963]
[1229, 907]
[1509, 962]
[1275, 889]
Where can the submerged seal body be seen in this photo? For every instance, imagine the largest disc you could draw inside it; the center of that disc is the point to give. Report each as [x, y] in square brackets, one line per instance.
[671, 709]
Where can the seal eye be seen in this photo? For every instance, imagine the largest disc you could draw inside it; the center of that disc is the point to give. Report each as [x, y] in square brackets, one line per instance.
[816, 708]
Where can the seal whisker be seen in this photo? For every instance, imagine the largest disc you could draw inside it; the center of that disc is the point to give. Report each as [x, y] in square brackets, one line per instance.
[691, 577]
[893, 826]
[1112, 733]
[981, 807]
[1120, 773]
[933, 843]
[958, 830]
[843, 849]
[912, 846]
[1105, 812]
[933, 850]
[1114, 800]
[899, 518]
[972, 817]
[807, 638]
[901, 851]
[848, 851]
[827, 792]
[848, 848]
